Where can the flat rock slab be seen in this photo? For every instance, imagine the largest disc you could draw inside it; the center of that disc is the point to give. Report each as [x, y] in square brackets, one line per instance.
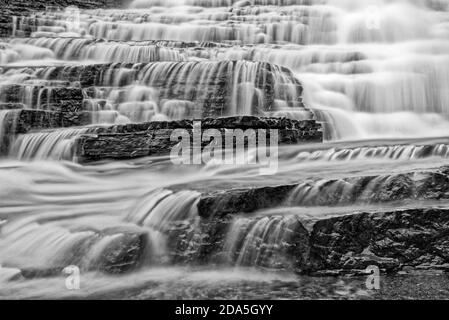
[24, 7]
[154, 138]
[212, 90]
[402, 228]
[428, 184]
[22, 121]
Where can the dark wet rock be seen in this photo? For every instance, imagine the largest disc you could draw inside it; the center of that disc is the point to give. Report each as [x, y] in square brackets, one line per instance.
[122, 253]
[212, 235]
[434, 186]
[24, 7]
[420, 185]
[298, 247]
[392, 241]
[21, 121]
[209, 96]
[61, 99]
[25, 120]
[410, 237]
[395, 187]
[11, 106]
[242, 200]
[154, 138]
[184, 242]
[31, 273]
[231, 122]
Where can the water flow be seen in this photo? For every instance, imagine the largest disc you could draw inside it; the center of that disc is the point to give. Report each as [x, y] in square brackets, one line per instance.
[264, 241]
[366, 73]
[54, 145]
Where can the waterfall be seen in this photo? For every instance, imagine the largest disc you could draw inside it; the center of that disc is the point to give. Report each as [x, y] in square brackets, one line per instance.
[263, 241]
[86, 49]
[42, 245]
[192, 88]
[374, 74]
[53, 144]
[162, 211]
[48, 248]
[8, 124]
[3, 118]
[162, 207]
[364, 73]
[358, 190]
[7, 54]
[396, 152]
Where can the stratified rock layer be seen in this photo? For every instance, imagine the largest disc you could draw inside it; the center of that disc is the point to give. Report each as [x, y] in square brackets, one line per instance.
[11, 8]
[22, 121]
[154, 138]
[208, 89]
[390, 240]
[391, 236]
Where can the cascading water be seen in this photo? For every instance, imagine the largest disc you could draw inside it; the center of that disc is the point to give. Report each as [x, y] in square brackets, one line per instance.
[56, 145]
[85, 49]
[375, 73]
[262, 241]
[364, 71]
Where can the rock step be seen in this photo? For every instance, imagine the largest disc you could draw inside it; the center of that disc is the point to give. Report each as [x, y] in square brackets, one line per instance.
[336, 240]
[94, 74]
[44, 96]
[123, 252]
[41, 41]
[24, 7]
[392, 240]
[70, 48]
[431, 184]
[263, 27]
[11, 106]
[22, 121]
[214, 87]
[154, 138]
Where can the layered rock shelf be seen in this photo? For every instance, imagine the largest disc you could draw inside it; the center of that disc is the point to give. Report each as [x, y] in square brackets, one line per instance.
[154, 138]
[213, 89]
[416, 186]
[19, 8]
[397, 235]
[395, 240]
[396, 231]
[45, 95]
[122, 254]
[23, 121]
